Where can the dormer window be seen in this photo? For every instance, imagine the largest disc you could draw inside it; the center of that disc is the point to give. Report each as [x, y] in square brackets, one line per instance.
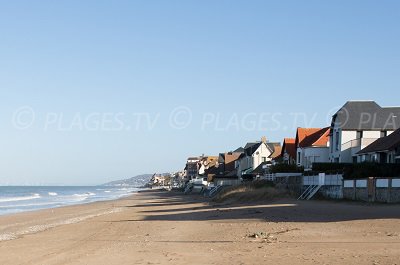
[359, 134]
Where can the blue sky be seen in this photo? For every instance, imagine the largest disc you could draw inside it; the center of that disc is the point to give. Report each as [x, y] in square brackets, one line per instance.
[238, 69]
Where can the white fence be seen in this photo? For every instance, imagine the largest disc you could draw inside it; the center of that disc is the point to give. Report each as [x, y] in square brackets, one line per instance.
[323, 180]
[273, 177]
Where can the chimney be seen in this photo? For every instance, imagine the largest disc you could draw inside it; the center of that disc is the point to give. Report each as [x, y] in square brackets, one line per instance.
[264, 139]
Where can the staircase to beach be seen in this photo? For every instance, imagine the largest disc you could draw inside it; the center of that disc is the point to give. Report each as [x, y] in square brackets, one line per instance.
[309, 192]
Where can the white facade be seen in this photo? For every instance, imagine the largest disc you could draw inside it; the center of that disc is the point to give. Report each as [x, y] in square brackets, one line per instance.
[246, 163]
[310, 155]
[346, 143]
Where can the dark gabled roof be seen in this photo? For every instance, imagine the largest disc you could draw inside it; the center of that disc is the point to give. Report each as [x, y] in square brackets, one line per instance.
[212, 170]
[250, 148]
[387, 143]
[260, 169]
[367, 115]
[239, 150]
[275, 148]
[221, 158]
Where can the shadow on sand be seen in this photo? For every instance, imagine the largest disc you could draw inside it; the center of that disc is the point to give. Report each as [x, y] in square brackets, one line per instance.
[174, 206]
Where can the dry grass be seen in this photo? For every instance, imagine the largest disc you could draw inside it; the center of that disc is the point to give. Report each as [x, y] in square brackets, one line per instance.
[254, 191]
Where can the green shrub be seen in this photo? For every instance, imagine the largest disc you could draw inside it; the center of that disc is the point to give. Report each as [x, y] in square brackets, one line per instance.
[368, 169]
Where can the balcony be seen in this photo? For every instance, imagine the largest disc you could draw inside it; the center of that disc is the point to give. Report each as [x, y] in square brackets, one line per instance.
[358, 143]
[350, 148]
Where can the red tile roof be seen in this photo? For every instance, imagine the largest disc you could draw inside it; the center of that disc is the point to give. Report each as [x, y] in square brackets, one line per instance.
[307, 137]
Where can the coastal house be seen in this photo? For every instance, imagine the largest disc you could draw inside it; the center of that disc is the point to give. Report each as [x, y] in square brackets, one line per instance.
[358, 124]
[312, 146]
[206, 162]
[254, 154]
[225, 172]
[192, 167]
[288, 152]
[383, 150]
[161, 179]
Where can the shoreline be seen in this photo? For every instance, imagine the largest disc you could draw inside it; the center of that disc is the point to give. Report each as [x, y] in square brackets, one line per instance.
[39, 220]
[37, 200]
[160, 227]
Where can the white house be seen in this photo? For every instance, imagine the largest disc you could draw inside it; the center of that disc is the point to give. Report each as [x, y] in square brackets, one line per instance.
[254, 154]
[358, 124]
[312, 146]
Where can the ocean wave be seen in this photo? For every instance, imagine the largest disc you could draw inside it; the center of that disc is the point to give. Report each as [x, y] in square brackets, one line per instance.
[22, 198]
[53, 193]
[25, 205]
[84, 194]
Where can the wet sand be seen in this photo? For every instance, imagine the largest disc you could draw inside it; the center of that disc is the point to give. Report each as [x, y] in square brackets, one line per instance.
[158, 227]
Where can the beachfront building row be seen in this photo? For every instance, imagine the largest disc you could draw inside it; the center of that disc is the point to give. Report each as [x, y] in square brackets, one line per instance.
[235, 165]
[354, 127]
[359, 131]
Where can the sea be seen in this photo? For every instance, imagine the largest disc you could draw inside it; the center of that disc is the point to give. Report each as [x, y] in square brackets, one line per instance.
[16, 199]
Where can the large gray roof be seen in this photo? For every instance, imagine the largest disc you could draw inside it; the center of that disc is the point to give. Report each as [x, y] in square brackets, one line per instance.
[367, 115]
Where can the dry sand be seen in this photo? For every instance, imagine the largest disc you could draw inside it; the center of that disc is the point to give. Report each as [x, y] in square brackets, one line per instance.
[169, 228]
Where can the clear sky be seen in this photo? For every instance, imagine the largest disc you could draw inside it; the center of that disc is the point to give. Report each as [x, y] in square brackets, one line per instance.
[93, 91]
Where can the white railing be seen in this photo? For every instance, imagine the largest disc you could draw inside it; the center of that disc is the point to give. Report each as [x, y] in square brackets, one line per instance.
[361, 142]
[323, 180]
[269, 177]
[309, 192]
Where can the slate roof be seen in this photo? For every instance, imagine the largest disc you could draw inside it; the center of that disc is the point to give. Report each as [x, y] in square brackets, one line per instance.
[250, 148]
[260, 169]
[275, 148]
[239, 150]
[367, 115]
[387, 143]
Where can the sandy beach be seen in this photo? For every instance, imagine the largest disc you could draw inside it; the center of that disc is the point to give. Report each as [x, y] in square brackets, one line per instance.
[158, 227]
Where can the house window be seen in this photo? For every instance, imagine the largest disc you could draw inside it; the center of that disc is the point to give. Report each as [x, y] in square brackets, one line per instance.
[337, 141]
[383, 134]
[359, 135]
[298, 158]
